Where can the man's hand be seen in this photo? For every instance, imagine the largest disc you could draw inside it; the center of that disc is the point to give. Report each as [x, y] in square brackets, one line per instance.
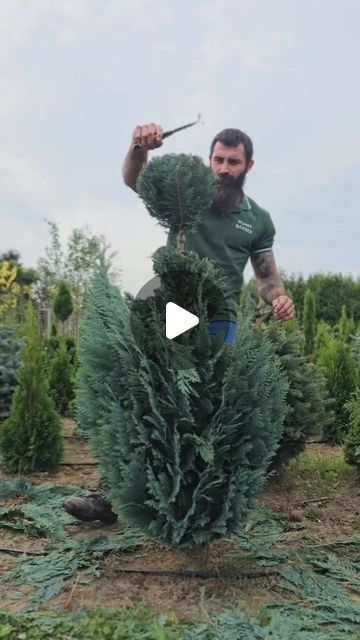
[148, 136]
[144, 138]
[283, 308]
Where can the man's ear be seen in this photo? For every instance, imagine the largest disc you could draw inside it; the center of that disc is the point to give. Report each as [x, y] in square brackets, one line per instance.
[249, 165]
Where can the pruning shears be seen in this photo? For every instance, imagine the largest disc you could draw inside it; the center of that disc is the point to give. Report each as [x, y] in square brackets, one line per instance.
[166, 134]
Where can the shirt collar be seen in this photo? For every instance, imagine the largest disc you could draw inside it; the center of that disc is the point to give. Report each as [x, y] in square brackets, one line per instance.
[244, 204]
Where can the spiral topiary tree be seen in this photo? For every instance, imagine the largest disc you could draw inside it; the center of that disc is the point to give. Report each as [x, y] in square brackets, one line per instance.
[184, 430]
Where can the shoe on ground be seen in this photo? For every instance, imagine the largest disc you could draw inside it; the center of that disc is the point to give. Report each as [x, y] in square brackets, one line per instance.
[90, 509]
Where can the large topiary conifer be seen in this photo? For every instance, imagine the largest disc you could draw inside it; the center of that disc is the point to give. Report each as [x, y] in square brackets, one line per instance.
[30, 440]
[184, 430]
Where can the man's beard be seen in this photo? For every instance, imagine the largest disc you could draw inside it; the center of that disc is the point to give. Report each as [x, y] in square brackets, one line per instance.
[228, 194]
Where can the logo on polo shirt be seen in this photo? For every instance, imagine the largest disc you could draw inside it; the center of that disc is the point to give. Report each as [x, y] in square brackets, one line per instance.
[244, 226]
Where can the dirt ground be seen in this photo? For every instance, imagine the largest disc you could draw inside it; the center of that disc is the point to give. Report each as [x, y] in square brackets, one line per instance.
[185, 597]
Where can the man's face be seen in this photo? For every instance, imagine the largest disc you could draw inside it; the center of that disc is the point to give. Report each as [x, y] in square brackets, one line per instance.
[228, 162]
[230, 166]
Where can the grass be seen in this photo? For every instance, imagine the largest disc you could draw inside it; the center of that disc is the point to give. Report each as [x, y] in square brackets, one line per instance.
[319, 472]
[113, 624]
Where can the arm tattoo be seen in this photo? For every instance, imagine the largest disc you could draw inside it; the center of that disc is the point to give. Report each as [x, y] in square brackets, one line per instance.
[269, 282]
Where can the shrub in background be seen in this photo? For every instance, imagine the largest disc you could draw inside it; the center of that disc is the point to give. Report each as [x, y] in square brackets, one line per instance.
[61, 379]
[339, 368]
[352, 440]
[309, 323]
[30, 439]
[309, 406]
[10, 358]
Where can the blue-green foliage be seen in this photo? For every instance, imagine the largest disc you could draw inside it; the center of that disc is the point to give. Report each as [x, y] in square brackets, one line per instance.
[184, 430]
[177, 189]
[309, 406]
[184, 448]
[10, 358]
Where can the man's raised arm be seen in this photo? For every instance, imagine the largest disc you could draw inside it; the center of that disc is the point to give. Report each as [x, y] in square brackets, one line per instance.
[144, 138]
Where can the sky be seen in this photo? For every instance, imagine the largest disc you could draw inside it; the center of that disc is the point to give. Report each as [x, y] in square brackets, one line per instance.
[77, 76]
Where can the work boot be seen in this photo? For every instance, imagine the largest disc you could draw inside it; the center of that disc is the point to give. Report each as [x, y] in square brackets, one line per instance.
[90, 508]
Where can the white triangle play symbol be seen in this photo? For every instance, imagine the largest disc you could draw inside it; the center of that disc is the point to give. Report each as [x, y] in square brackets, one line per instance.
[178, 320]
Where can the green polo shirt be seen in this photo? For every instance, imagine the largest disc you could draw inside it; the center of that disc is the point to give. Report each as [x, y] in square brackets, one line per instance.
[229, 240]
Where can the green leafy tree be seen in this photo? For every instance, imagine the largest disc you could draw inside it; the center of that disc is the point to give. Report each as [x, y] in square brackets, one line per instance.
[25, 276]
[309, 322]
[352, 440]
[50, 267]
[10, 358]
[339, 368]
[331, 290]
[74, 264]
[184, 430]
[30, 439]
[309, 406]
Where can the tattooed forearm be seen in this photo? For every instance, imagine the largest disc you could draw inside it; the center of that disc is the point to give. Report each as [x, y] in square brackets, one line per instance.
[270, 285]
[270, 288]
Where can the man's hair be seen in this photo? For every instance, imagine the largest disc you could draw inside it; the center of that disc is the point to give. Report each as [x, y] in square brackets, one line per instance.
[232, 138]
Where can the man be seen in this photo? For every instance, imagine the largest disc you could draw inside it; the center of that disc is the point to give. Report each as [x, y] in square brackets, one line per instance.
[234, 230]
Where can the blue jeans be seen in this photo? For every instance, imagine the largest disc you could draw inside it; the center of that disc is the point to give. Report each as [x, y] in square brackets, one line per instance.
[226, 327]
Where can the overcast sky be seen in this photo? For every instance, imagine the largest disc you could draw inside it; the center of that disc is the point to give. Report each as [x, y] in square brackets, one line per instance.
[76, 77]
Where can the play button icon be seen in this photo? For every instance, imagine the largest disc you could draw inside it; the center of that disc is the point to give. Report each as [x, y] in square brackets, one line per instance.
[178, 320]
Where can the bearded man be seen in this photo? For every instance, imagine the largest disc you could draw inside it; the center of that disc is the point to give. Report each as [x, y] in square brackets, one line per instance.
[233, 230]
